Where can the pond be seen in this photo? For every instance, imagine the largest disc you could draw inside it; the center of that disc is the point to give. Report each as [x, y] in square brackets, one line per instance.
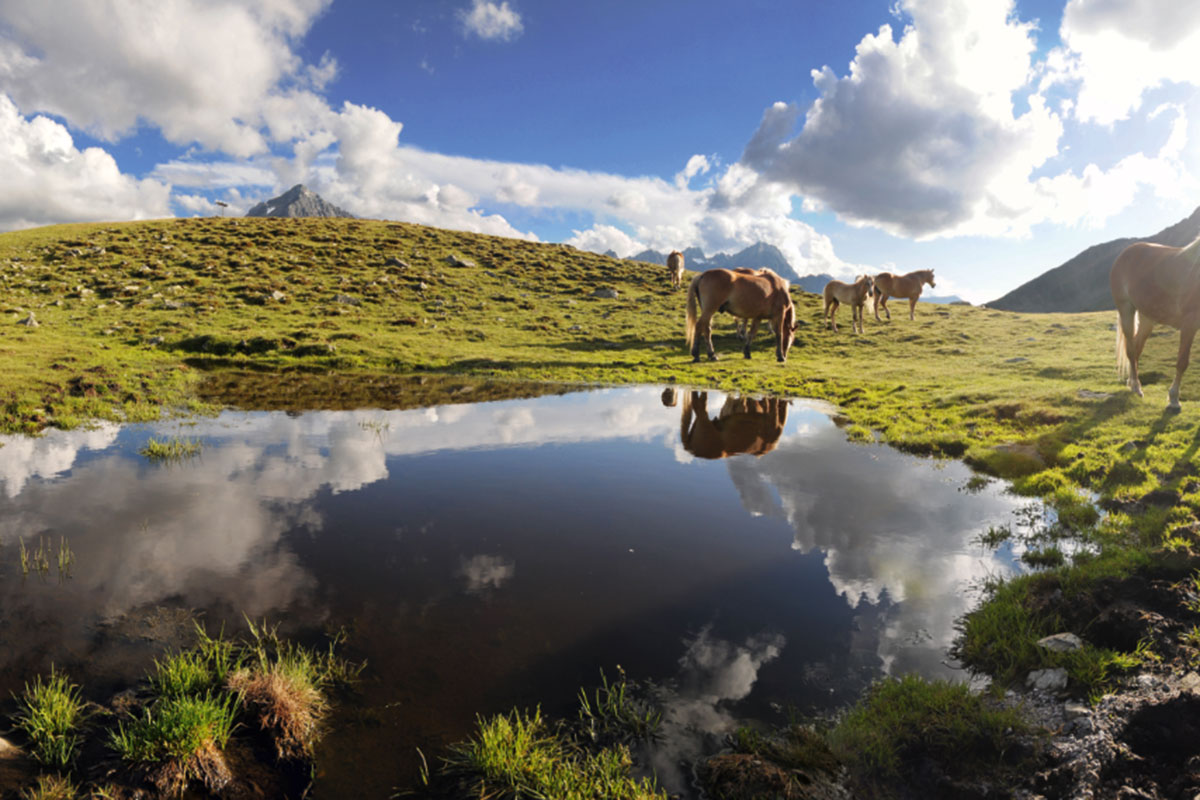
[738, 552]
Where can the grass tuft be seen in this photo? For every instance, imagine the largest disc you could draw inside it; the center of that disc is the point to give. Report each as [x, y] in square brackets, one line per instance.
[170, 450]
[900, 722]
[521, 755]
[51, 714]
[613, 714]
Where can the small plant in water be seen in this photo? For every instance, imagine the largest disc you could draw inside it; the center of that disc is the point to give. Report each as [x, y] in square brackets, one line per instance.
[285, 684]
[65, 558]
[612, 713]
[181, 738]
[170, 450]
[35, 560]
[521, 755]
[51, 714]
[51, 787]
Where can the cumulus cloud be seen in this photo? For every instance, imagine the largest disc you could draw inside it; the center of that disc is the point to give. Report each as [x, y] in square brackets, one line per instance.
[199, 70]
[921, 136]
[489, 20]
[1117, 50]
[48, 180]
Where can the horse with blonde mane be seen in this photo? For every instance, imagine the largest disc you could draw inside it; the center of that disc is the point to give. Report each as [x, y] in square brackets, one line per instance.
[908, 285]
[853, 294]
[753, 295]
[744, 425]
[1155, 284]
[675, 268]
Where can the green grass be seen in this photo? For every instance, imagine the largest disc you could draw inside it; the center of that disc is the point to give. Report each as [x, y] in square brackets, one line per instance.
[189, 315]
[901, 721]
[522, 755]
[51, 787]
[51, 714]
[170, 450]
[612, 712]
[178, 728]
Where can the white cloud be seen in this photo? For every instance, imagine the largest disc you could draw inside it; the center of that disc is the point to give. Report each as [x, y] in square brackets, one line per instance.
[214, 174]
[48, 180]
[1119, 49]
[920, 137]
[199, 70]
[489, 20]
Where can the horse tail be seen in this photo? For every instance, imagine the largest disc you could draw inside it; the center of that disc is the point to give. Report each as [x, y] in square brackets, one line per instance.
[693, 305]
[1122, 353]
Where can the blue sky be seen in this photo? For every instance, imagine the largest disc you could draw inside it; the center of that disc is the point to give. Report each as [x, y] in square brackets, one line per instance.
[988, 139]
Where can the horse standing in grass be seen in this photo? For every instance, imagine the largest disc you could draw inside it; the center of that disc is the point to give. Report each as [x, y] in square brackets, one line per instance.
[852, 294]
[749, 294]
[909, 285]
[1153, 283]
[675, 267]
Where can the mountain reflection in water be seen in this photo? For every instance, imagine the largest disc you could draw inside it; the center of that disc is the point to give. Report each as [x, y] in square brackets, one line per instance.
[488, 555]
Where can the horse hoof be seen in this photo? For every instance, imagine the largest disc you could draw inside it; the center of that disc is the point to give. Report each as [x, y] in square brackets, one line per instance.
[1173, 408]
[695, 359]
[712, 358]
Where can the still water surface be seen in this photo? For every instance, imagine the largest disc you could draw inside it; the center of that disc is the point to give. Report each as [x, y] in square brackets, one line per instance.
[740, 553]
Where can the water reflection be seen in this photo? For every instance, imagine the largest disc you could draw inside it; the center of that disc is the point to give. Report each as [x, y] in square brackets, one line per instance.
[744, 425]
[496, 554]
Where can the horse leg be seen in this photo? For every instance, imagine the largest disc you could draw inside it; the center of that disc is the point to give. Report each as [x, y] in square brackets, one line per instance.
[1186, 334]
[1144, 326]
[912, 305]
[1127, 320]
[705, 330]
[751, 329]
[856, 318]
[882, 301]
[831, 307]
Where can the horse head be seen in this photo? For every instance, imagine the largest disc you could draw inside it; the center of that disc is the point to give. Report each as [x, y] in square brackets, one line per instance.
[928, 276]
[787, 331]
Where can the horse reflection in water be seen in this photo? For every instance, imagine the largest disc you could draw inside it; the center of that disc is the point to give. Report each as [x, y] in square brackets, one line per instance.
[745, 425]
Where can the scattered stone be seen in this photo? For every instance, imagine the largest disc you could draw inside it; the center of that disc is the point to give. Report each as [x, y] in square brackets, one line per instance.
[395, 262]
[422, 286]
[1015, 360]
[1088, 394]
[1047, 680]
[347, 299]
[1074, 710]
[606, 294]
[155, 340]
[278, 296]
[455, 261]
[1190, 683]
[1061, 642]
[29, 322]
[575, 328]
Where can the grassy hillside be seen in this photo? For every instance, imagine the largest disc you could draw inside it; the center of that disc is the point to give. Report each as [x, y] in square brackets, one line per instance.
[138, 316]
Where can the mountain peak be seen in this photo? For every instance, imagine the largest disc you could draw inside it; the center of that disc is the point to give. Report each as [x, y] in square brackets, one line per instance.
[298, 201]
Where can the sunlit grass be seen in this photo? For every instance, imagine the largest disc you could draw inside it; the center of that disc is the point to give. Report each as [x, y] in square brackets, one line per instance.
[51, 714]
[170, 450]
[521, 754]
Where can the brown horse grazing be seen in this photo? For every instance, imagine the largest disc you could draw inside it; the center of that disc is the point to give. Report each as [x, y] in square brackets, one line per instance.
[909, 285]
[745, 425]
[1153, 283]
[853, 294]
[675, 268]
[751, 295]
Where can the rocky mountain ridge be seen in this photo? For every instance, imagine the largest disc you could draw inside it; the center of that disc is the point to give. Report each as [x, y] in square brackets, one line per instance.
[298, 201]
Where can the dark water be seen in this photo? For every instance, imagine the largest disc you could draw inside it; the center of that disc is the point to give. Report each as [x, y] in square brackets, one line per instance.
[500, 554]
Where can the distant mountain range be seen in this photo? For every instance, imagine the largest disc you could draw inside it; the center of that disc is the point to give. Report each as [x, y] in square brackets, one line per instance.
[756, 255]
[1081, 284]
[298, 201]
